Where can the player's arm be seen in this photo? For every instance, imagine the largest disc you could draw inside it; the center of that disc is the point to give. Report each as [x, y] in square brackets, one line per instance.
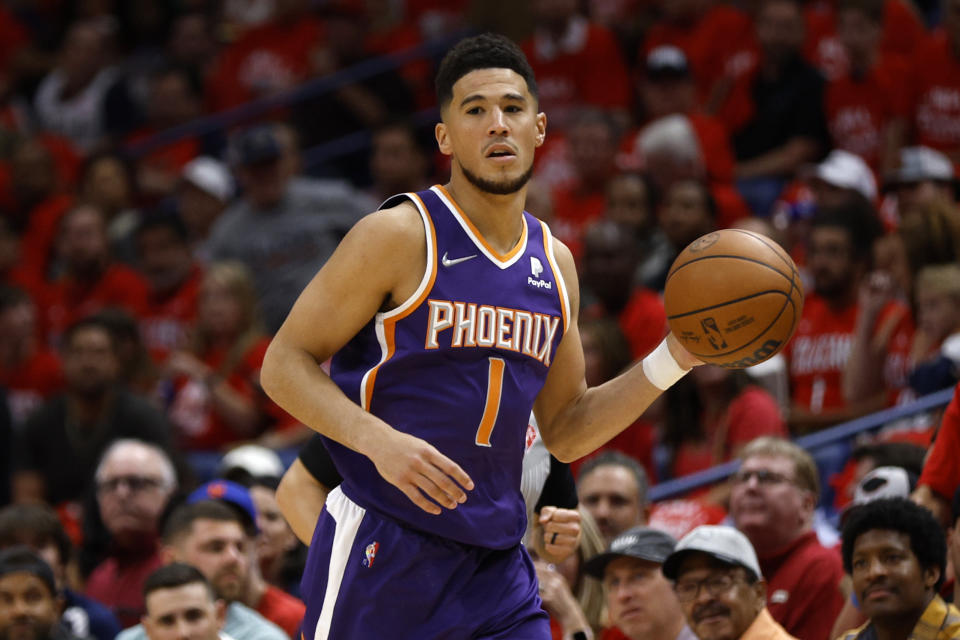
[378, 264]
[575, 420]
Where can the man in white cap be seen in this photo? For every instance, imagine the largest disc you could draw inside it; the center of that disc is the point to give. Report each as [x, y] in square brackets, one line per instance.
[640, 600]
[924, 176]
[205, 190]
[717, 580]
[839, 175]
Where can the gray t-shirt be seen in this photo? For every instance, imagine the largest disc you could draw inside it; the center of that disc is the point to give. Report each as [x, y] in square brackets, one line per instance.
[243, 623]
[285, 246]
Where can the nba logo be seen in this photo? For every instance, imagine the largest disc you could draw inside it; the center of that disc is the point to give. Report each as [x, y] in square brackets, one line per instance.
[371, 554]
[536, 268]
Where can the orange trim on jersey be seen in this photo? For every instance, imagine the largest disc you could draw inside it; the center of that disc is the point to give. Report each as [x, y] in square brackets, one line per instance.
[389, 324]
[521, 243]
[492, 407]
[557, 276]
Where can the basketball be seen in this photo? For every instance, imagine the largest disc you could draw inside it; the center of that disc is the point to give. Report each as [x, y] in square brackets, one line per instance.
[733, 298]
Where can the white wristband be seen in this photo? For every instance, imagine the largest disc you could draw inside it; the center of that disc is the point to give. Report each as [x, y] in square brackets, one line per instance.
[661, 367]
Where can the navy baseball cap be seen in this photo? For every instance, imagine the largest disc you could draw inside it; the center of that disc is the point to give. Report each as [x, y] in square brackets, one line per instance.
[258, 146]
[643, 543]
[235, 495]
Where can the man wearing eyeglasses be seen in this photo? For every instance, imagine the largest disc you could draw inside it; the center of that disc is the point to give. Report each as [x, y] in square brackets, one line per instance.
[772, 501]
[133, 483]
[718, 582]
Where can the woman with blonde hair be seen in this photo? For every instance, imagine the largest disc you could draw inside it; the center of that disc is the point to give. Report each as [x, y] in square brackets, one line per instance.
[573, 599]
[215, 397]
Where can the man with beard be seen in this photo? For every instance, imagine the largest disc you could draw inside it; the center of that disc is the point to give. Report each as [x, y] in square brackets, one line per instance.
[838, 258]
[718, 582]
[772, 499]
[64, 439]
[133, 482]
[896, 553]
[30, 604]
[449, 315]
[214, 538]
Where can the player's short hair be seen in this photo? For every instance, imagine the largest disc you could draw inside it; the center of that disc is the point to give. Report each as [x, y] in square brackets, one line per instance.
[927, 541]
[858, 219]
[176, 574]
[485, 51]
[804, 467]
[613, 458]
[872, 9]
[35, 525]
[182, 518]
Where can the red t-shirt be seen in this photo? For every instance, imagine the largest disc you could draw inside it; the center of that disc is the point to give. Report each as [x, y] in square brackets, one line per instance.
[902, 31]
[36, 248]
[165, 323]
[940, 471]
[751, 414]
[936, 94]
[820, 348]
[68, 301]
[265, 60]
[191, 410]
[642, 320]
[118, 584]
[30, 383]
[585, 68]
[803, 592]
[282, 609]
[859, 109]
[708, 43]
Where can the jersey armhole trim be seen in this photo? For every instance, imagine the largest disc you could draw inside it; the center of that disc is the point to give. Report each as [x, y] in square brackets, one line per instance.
[561, 284]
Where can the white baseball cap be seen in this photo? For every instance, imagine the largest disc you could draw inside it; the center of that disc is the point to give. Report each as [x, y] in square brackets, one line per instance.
[847, 171]
[723, 543]
[882, 482]
[210, 175]
[256, 460]
[918, 164]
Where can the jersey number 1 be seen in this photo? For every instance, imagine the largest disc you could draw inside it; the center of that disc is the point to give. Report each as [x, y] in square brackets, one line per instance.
[492, 407]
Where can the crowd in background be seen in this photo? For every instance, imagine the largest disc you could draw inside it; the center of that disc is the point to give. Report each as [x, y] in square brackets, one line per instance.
[149, 251]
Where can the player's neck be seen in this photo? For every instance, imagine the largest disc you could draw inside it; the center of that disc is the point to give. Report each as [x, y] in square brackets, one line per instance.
[498, 218]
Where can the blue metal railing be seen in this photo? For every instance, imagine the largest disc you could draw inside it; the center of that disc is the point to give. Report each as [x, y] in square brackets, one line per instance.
[318, 86]
[838, 434]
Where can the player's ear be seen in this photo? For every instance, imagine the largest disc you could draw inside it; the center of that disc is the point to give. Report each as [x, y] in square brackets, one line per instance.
[443, 140]
[541, 128]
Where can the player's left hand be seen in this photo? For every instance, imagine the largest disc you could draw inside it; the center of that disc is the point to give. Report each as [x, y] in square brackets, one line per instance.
[561, 533]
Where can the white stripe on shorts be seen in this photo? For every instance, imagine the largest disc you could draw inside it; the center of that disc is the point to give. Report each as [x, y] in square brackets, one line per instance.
[348, 516]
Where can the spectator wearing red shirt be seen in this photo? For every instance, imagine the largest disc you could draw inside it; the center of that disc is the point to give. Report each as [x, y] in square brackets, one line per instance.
[267, 59]
[936, 87]
[90, 279]
[775, 110]
[841, 240]
[609, 262]
[174, 97]
[772, 500]
[577, 63]
[707, 33]
[866, 105]
[174, 278]
[593, 139]
[941, 473]
[29, 370]
[215, 394]
[712, 414]
[134, 480]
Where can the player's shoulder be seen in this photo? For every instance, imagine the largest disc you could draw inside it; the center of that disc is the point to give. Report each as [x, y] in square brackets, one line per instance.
[393, 227]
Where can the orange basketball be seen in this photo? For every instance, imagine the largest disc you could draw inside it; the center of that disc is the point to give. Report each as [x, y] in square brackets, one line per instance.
[733, 298]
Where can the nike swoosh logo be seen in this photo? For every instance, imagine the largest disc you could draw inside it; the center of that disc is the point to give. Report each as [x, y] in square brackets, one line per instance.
[447, 262]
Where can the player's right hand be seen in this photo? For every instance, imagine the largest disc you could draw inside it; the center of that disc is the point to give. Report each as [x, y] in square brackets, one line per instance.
[416, 468]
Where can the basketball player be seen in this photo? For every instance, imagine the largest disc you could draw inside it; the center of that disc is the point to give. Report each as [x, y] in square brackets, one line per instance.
[449, 314]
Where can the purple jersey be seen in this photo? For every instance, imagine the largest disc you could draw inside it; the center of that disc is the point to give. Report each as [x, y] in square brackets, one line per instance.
[459, 365]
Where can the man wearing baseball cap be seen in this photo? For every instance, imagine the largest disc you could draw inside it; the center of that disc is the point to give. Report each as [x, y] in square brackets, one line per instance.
[640, 601]
[718, 582]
